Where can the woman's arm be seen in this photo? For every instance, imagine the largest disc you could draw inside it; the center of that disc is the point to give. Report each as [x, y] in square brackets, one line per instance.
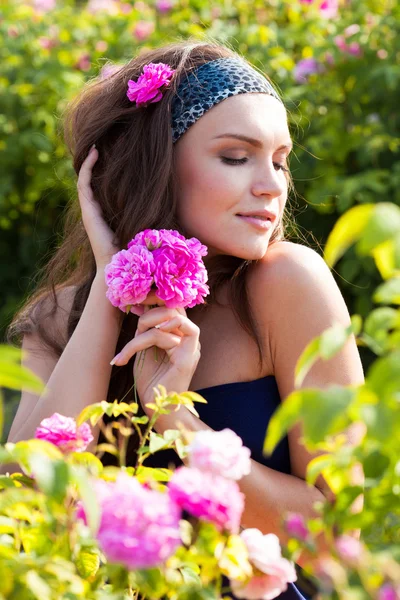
[81, 375]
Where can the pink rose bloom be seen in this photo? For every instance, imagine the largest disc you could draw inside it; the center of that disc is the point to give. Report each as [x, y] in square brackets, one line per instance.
[352, 30]
[220, 453]
[276, 571]
[355, 49]
[129, 276]
[151, 238]
[209, 497]
[304, 68]
[139, 527]
[340, 42]
[296, 527]
[180, 275]
[147, 88]
[328, 9]
[63, 432]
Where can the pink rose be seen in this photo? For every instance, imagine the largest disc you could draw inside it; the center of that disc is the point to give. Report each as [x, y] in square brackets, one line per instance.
[275, 571]
[147, 88]
[209, 497]
[143, 30]
[306, 67]
[139, 527]
[63, 432]
[349, 548]
[220, 453]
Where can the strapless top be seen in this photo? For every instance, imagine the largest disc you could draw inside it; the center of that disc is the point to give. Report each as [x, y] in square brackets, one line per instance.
[246, 408]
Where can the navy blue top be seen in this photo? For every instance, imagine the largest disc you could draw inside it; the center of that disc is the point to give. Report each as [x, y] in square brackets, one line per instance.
[246, 408]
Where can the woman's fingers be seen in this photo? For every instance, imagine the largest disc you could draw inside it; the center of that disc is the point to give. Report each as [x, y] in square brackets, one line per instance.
[153, 337]
[154, 317]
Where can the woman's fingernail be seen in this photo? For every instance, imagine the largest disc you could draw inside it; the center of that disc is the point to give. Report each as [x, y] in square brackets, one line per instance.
[161, 324]
[114, 360]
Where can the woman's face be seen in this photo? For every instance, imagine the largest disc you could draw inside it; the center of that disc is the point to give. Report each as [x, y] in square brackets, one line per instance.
[230, 163]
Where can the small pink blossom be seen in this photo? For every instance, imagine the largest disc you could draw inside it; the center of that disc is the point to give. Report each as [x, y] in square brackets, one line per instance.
[349, 548]
[129, 277]
[164, 6]
[220, 453]
[143, 30]
[209, 497]
[147, 88]
[83, 63]
[296, 527]
[355, 49]
[64, 433]
[101, 46]
[340, 42]
[47, 43]
[352, 30]
[306, 67]
[328, 9]
[44, 6]
[12, 31]
[382, 54]
[139, 527]
[276, 571]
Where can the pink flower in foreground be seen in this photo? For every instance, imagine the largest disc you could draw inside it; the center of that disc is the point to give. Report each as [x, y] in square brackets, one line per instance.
[139, 527]
[147, 88]
[329, 9]
[273, 571]
[209, 497]
[296, 527]
[221, 453]
[44, 6]
[388, 592]
[304, 68]
[349, 548]
[129, 277]
[64, 433]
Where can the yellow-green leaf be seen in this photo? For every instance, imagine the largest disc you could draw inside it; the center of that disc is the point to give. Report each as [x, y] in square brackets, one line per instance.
[347, 231]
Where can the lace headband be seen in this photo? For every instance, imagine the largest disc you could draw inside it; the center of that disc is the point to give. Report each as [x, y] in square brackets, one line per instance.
[211, 83]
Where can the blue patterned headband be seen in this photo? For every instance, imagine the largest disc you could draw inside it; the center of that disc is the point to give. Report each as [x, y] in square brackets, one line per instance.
[211, 83]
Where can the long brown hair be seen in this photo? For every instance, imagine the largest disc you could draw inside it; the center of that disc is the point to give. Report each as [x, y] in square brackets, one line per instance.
[133, 181]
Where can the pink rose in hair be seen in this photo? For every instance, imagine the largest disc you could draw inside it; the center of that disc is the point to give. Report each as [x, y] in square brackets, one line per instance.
[219, 452]
[147, 88]
[274, 571]
[64, 433]
[209, 497]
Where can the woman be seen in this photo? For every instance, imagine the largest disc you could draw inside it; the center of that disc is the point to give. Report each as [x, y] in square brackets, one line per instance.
[208, 157]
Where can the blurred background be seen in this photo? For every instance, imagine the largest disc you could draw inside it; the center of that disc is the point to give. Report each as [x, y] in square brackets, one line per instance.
[335, 62]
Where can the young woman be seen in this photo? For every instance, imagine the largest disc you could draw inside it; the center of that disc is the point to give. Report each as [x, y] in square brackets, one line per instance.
[208, 157]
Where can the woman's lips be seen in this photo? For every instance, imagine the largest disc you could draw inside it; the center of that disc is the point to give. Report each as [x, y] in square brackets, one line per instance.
[259, 223]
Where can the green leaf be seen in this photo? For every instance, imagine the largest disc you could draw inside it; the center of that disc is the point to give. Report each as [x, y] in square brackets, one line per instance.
[157, 442]
[145, 473]
[87, 460]
[51, 476]
[348, 229]
[93, 412]
[308, 357]
[283, 419]
[87, 495]
[17, 377]
[388, 292]
[88, 564]
[333, 340]
[383, 224]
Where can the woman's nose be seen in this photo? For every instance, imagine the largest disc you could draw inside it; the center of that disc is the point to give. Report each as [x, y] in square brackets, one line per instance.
[271, 182]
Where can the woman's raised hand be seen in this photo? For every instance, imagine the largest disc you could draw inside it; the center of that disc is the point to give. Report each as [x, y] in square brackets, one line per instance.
[177, 340]
[100, 235]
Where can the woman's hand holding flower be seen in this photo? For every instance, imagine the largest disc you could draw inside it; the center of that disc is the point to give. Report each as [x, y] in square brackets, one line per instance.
[170, 330]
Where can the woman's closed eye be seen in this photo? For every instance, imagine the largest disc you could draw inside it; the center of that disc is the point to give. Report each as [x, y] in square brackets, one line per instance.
[241, 161]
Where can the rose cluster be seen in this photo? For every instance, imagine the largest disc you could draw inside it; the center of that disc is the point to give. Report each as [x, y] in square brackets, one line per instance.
[139, 527]
[163, 260]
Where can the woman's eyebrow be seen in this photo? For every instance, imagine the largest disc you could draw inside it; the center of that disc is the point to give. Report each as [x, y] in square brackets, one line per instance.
[253, 141]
